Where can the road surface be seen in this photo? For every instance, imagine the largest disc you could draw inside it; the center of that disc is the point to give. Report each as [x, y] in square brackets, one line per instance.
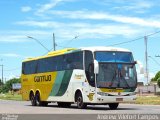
[24, 107]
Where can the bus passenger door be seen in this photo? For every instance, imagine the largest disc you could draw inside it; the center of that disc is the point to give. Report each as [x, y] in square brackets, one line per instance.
[90, 76]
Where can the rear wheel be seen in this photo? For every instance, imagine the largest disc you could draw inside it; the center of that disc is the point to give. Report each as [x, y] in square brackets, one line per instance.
[113, 106]
[32, 99]
[79, 100]
[37, 99]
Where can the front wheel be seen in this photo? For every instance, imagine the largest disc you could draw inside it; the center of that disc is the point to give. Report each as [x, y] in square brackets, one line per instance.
[113, 106]
[79, 100]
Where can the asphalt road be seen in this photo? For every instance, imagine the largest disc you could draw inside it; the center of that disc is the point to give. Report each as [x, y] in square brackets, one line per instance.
[24, 107]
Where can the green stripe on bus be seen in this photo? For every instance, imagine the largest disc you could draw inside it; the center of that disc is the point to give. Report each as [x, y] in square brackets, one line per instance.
[57, 83]
[65, 82]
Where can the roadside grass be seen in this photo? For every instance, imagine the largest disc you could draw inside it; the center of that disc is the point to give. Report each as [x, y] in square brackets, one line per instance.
[9, 96]
[148, 100]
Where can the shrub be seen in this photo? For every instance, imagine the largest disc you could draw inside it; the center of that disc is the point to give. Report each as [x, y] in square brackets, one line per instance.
[158, 81]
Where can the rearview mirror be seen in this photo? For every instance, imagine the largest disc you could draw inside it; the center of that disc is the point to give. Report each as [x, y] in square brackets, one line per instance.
[96, 67]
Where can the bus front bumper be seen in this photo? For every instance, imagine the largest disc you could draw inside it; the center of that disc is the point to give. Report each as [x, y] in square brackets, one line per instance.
[115, 99]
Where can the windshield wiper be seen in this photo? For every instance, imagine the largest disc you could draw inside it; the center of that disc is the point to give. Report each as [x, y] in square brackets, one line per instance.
[114, 76]
[122, 77]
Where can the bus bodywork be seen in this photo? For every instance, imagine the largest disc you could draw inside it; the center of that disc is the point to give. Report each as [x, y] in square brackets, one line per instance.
[93, 75]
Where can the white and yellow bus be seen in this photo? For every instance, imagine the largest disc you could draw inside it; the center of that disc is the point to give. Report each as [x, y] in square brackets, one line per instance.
[92, 75]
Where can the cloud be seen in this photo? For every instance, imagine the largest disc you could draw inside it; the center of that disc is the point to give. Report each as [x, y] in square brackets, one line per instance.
[94, 15]
[10, 55]
[47, 24]
[12, 75]
[127, 5]
[144, 4]
[26, 9]
[20, 36]
[86, 30]
[14, 55]
[12, 38]
[135, 6]
[141, 76]
[50, 5]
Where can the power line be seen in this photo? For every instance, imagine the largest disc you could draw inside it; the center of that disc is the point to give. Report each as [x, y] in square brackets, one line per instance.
[157, 55]
[17, 68]
[154, 60]
[126, 42]
[135, 39]
[69, 41]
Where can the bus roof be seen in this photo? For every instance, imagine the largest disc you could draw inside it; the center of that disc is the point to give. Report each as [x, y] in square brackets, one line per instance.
[52, 53]
[103, 48]
[67, 50]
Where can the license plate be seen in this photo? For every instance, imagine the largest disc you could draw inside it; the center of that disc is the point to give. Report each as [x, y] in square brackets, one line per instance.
[119, 99]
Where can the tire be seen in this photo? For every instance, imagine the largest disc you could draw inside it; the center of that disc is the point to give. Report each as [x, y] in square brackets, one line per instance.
[38, 100]
[32, 99]
[79, 100]
[113, 106]
[64, 104]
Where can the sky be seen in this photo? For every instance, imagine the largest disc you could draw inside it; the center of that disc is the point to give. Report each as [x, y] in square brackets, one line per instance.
[77, 23]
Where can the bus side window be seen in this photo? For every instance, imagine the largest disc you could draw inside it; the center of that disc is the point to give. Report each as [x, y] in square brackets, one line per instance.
[89, 68]
[29, 67]
[23, 65]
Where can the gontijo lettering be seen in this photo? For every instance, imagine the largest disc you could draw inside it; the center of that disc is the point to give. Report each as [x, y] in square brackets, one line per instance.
[43, 78]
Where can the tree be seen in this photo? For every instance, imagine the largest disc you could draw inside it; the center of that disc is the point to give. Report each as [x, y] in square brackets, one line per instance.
[157, 76]
[152, 79]
[158, 82]
[8, 85]
[1, 83]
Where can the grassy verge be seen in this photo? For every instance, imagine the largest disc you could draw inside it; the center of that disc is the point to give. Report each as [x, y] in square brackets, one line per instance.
[9, 96]
[148, 100]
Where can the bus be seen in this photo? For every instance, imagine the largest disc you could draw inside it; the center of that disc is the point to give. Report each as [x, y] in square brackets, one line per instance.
[85, 76]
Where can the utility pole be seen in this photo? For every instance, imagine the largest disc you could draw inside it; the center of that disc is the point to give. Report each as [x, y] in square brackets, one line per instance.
[2, 73]
[146, 57]
[54, 43]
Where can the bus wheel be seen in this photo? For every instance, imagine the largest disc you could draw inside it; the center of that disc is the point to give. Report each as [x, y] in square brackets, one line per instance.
[113, 106]
[37, 99]
[79, 100]
[32, 98]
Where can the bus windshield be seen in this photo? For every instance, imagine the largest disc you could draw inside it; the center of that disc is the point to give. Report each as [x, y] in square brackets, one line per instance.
[116, 70]
[110, 56]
